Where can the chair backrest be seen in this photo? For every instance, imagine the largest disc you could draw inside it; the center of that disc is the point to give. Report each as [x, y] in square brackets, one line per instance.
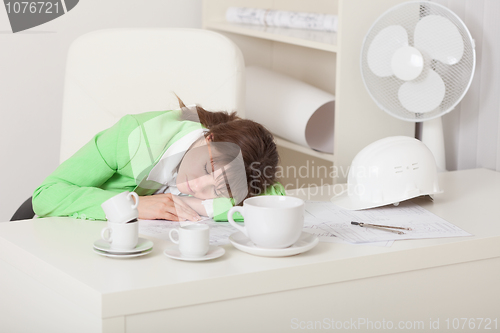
[111, 73]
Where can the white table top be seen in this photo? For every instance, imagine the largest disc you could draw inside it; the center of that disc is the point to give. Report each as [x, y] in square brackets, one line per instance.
[58, 253]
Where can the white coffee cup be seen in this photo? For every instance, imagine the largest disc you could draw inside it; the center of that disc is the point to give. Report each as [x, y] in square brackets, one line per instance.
[271, 221]
[122, 207]
[121, 236]
[193, 239]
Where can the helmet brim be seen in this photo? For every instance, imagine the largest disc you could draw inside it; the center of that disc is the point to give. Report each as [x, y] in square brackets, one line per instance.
[343, 200]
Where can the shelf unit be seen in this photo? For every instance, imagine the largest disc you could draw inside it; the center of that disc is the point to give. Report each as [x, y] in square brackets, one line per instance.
[319, 40]
[301, 149]
[329, 61]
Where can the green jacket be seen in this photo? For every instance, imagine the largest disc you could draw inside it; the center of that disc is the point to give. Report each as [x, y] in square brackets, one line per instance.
[115, 160]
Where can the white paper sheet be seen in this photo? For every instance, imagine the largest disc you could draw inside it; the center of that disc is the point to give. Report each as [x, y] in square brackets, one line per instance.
[220, 231]
[424, 224]
[282, 18]
[317, 216]
[333, 224]
[291, 109]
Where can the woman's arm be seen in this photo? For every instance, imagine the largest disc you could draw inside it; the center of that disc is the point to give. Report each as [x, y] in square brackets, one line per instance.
[73, 188]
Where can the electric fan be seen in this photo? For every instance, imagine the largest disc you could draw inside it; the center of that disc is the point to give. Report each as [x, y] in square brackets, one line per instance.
[417, 63]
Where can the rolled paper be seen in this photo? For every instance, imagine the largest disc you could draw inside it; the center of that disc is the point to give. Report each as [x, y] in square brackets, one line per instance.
[282, 18]
[290, 109]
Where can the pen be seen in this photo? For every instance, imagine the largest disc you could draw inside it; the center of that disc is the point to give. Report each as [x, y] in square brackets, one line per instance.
[381, 227]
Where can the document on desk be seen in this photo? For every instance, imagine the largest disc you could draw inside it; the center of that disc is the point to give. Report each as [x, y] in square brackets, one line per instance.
[423, 223]
[316, 218]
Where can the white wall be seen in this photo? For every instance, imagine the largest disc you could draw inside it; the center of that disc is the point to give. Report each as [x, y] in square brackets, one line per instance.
[32, 78]
[472, 130]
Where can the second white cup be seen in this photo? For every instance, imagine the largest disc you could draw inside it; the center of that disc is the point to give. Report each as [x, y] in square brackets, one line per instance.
[121, 208]
[193, 240]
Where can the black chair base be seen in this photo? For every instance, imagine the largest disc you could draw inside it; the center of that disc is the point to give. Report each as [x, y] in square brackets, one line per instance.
[25, 211]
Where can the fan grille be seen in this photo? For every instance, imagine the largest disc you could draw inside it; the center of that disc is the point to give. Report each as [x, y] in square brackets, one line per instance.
[457, 77]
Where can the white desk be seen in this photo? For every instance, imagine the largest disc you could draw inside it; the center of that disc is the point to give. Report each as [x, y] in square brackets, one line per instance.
[51, 281]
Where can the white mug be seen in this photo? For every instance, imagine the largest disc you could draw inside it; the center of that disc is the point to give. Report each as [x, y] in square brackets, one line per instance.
[121, 236]
[271, 221]
[122, 207]
[193, 239]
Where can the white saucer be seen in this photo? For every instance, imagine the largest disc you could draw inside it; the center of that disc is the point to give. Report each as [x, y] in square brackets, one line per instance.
[123, 255]
[213, 252]
[142, 245]
[306, 242]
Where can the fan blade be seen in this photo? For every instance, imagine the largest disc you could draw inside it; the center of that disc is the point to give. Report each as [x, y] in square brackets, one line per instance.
[422, 95]
[407, 63]
[383, 46]
[440, 39]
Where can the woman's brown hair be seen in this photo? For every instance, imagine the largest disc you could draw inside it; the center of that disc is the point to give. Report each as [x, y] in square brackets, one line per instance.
[260, 155]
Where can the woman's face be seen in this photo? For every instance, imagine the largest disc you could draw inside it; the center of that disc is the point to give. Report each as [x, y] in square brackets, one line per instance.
[195, 175]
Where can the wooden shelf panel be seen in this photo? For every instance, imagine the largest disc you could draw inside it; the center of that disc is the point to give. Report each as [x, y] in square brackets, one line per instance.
[320, 40]
[301, 149]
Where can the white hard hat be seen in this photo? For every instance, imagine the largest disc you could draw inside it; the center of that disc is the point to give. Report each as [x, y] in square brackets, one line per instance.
[389, 171]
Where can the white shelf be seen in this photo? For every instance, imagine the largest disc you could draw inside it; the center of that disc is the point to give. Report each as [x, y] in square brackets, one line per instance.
[326, 60]
[301, 149]
[320, 40]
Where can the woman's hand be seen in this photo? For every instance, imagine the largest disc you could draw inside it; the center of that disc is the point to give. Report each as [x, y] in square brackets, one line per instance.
[165, 207]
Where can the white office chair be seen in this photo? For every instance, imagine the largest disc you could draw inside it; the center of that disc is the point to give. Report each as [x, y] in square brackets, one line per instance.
[111, 73]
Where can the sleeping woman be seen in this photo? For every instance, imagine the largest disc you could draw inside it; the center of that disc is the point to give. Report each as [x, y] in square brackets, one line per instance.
[182, 163]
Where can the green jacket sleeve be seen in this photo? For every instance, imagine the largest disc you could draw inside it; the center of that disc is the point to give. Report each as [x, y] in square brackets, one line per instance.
[73, 188]
[223, 205]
